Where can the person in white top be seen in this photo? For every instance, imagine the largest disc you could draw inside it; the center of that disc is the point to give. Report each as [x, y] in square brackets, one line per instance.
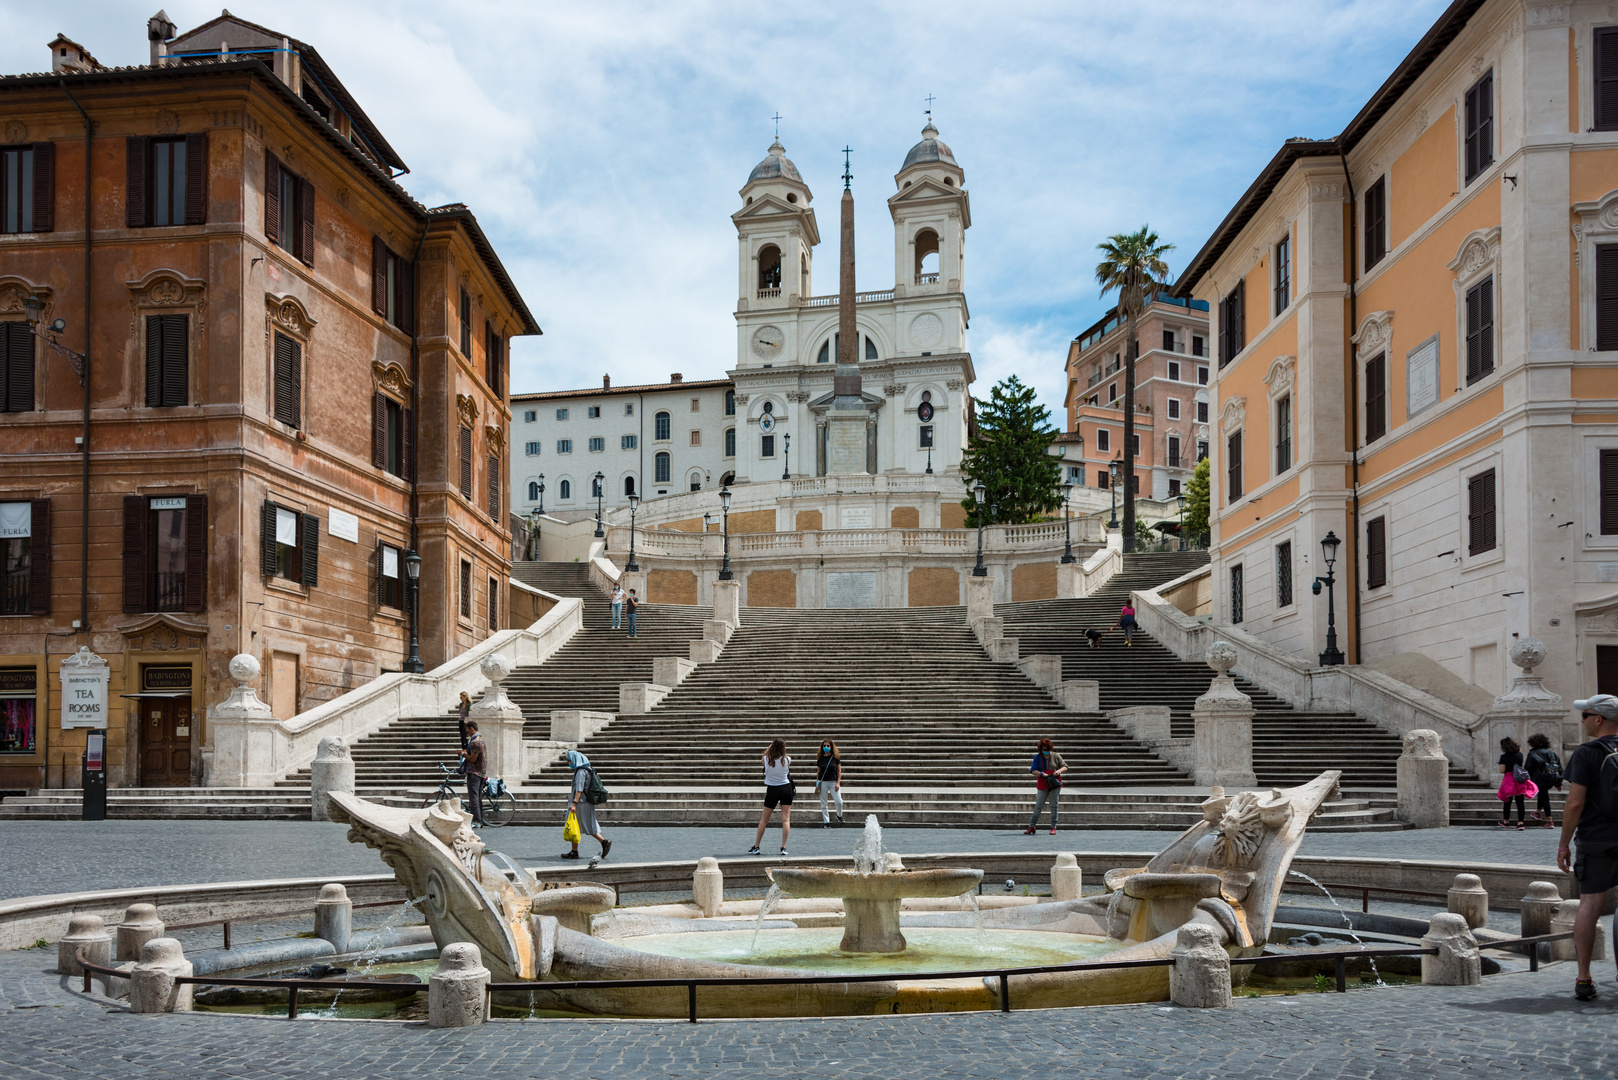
[778, 791]
[617, 606]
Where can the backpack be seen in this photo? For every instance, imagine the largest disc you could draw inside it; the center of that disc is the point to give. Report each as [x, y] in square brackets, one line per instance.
[595, 792]
[1606, 785]
[1548, 763]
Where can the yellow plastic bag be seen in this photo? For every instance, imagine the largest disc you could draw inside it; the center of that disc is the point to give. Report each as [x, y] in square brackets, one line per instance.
[570, 831]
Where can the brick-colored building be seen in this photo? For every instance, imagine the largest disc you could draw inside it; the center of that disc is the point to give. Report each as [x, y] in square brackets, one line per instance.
[1171, 398]
[296, 373]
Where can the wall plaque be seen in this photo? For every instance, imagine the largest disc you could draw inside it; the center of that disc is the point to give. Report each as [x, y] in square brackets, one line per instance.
[851, 589]
[856, 517]
[343, 525]
[84, 690]
[174, 677]
[1421, 377]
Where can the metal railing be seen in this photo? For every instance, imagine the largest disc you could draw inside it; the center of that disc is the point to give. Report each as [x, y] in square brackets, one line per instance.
[168, 590]
[226, 923]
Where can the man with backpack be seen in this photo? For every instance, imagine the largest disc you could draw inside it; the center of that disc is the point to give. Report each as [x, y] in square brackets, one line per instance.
[1590, 815]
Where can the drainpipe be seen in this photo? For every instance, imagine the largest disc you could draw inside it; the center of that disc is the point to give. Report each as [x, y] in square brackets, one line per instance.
[415, 416]
[1353, 392]
[84, 438]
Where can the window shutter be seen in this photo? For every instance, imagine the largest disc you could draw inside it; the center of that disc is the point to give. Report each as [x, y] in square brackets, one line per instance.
[266, 546]
[1240, 327]
[288, 380]
[135, 183]
[1609, 492]
[376, 575]
[196, 179]
[1376, 553]
[379, 276]
[1607, 290]
[407, 297]
[1376, 398]
[1486, 326]
[494, 604]
[154, 361]
[409, 439]
[1233, 476]
[1480, 513]
[306, 222]
[176, 385]
[379, 431]
[494, 487]
[311, 550]
[44, 187]
[134, 554]
[1605, 47]
[466, 590]
[196, 552]
[272, 198]
[16, 367]
[466, 462]
[39, 557]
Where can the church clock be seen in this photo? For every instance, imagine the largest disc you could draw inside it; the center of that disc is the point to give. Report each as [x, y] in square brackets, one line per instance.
[767, 342]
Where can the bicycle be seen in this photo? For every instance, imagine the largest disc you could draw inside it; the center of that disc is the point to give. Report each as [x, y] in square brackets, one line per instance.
[499, 804]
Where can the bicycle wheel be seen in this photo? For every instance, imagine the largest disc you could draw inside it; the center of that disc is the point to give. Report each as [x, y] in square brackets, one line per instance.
[498, 809]
[444, 792]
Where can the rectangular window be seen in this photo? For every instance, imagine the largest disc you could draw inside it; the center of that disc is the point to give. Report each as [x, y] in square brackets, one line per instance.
[696, 404]
[1101, 478]
[1480, 513]
[494, 360]
[393, 287]
[529, 416]
[466, 590]
[561, 414]
[1174, 371]
[1198, 346]
[730, 442]
[661, 426]
[465, 448]
[291, 545]
[696, 437]
[925, 439]
[598, 443]
[1232, 323]
[1202, 412]
[1174, 488]
[1135, 448]
[1376, 222]
[1075, 474]
[1168, 341]
[1604, 44]
[27, 188]
[767, 446]
[1233, 468]
[1283, 274]
[389, 578]
[166, 343]
[288, 381]
[1283, 434]
[1479, 126]
[466, 328]
[629, 408]
[628, 442]
[1174, 408]
[593, 412]
[1236, 593]
[25, 558]
[1376, 398]
[392, 431]
[660, 468]
[16, 367]
[1479, 330]
[1112, 393]
[1607, 293]
[168, 181]
[531, 449]
[1103, 439]
[564, 446]
[1376, 553]
[1283, 574]
[494, 603]
[1609, 493]
[289, 217]
[494, 486]
[1202, 376]
[167, 552]
[1174, 454]
[1202, 449]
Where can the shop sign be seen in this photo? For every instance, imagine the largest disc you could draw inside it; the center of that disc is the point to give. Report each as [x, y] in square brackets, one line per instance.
[166, 678]
[18, 681]
[84, 690]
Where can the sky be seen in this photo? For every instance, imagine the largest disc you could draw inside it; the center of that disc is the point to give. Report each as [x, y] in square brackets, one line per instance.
[602, 144]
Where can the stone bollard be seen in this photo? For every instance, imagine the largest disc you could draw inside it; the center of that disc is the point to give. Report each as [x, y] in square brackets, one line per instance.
[1224, 726]
[1200, 977]
[456, 992]
[1538, 908]
[87, 932]
[140, 925]
[1567, 912]
[1067, 879]
[334, 916]
[1423, 780]
[152, 988]
[1470, 900]
[332, 770]
[1458, 962]
[708, 886]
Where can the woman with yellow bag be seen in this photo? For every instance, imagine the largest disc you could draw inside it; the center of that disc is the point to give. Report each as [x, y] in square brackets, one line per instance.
[581, 813]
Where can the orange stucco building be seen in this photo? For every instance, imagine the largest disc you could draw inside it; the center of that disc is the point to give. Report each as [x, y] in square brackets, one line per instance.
[296, 374]
[1416, 345]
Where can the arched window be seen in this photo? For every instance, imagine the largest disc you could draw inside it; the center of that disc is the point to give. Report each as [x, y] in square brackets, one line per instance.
[769, 407]
[696, 481]
[661, 463]
[533, 491]
[926, 257]
[730, 403]
[629, 486]
[661, 427]
[730, 442]
[828, 350]
[870, 349]
[769, 270]
[727, 479]
[567, 490]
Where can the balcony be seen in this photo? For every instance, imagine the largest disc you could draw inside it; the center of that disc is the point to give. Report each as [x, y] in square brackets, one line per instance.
[926, 279]
[168, 590]
[770, 294]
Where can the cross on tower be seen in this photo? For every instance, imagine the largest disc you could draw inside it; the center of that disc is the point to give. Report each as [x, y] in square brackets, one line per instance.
[777, 119]
[847, 176]
[929, 107]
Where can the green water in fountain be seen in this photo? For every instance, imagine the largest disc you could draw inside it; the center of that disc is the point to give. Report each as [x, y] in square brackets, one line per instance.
[928, 949]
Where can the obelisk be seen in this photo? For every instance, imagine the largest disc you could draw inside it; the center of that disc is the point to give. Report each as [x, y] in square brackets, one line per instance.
[845, 451]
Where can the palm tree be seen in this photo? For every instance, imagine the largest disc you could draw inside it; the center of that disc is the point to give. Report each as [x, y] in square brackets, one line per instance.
[1133, 264]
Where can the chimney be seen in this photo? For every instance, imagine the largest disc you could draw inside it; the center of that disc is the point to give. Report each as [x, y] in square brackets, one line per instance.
[160, 30]
[676, 377]
[606, 382]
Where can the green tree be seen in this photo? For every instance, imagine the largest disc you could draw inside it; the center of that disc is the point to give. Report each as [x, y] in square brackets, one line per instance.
[1133, 264]
[1196, 501]
[1008, 454]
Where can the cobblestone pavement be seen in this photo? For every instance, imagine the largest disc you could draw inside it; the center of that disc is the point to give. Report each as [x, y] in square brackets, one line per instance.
[1512, 1025]
[61, 856]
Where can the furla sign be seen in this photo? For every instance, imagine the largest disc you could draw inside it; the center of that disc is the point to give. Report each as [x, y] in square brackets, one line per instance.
[84, 690]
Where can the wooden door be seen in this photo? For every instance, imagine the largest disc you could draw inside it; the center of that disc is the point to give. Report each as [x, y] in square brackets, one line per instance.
[1607, 669]
[165, 742]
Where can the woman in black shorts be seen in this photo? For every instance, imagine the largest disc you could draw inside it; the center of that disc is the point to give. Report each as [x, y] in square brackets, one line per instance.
[778, 791]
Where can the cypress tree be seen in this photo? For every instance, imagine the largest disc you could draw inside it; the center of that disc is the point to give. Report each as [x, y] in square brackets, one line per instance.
[1008, 454]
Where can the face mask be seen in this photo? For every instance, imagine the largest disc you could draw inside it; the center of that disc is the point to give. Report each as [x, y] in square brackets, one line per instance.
[825, 749]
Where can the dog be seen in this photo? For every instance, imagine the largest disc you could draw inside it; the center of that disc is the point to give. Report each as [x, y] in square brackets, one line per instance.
[1095, 637]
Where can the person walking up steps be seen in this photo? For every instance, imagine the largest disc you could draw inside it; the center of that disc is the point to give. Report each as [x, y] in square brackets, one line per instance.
[617, 606]
[1514, 784]
[1590, 815]
[1126, 623]
[778, 791]
[583, 807]
[1545, 770]
[1048, 767]
[465, 711]
[631, 606]
[829, 780]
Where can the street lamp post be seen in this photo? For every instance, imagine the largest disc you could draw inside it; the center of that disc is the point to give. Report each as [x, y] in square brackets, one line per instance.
[412, 563]
[601, 490]
[541, 493]
[724, 510]
[632, 566]
[707, 520]
[1113, 471]
[978, 492]
[1180, 498]
[1067, 523]
[786, 456]
[533, 534]
[1333, 656]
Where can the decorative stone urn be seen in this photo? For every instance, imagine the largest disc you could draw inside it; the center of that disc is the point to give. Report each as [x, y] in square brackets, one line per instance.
[500, 720]
[247, 737]
[1224, 726]
[1524, 709]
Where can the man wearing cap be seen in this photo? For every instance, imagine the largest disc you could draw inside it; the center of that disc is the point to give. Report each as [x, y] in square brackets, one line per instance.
[1594, 822]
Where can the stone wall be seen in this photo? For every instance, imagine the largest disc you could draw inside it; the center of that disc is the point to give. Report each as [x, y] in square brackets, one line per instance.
[772, 588]
[684, 525]
[1033, 581]
[753, 521]
[935, 586]
[526, 605]
[808, 519]
[905, 517]
[671, 587]
[951, 515]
